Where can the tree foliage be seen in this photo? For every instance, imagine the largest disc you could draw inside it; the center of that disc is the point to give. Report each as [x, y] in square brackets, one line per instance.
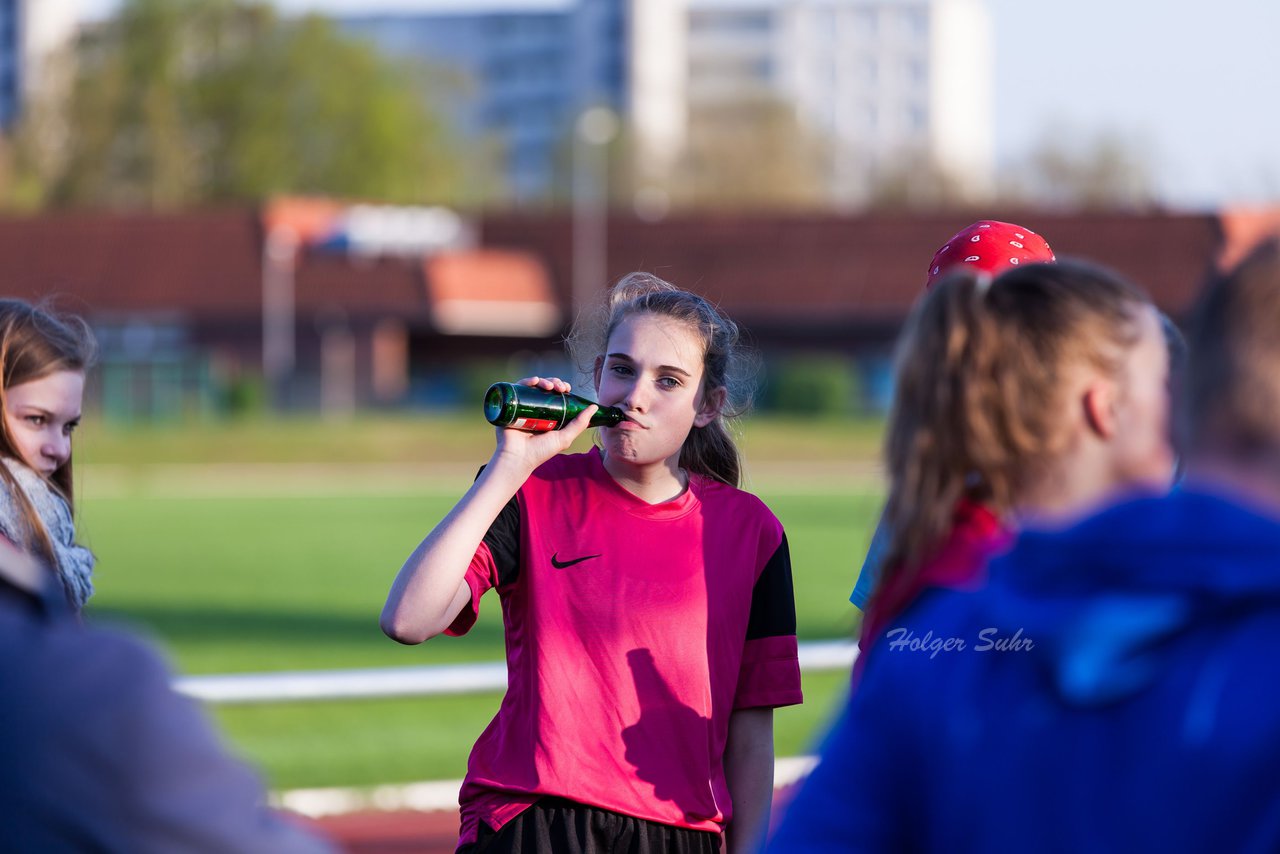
[914, 180]
[1109, 170]
[751, 153]
[181, 102]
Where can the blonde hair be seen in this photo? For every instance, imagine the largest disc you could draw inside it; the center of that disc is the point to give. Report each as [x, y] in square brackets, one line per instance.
[979, 389]
[36, 342]
[711, 450]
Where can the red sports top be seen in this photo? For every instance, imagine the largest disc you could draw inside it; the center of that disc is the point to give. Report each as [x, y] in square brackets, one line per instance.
[977, 535]
[633, 630]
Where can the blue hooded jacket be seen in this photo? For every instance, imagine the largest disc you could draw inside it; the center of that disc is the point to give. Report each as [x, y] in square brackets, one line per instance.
[1116, 687]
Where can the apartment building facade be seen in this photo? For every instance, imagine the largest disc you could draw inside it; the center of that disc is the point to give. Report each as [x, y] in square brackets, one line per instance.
[885, 83]
[32, 33]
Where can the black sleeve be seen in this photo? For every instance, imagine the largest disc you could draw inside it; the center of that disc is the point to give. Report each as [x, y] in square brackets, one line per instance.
[503, 540]
[773, 601]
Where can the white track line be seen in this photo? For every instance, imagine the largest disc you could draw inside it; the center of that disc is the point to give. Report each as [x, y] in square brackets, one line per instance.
[288, 686]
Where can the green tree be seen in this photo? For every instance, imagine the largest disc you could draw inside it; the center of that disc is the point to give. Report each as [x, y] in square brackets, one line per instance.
[1074, 170]
[751, 153]
[914, 180]
[180, 102]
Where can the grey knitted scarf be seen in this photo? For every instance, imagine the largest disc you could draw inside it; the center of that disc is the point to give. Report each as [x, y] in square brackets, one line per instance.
[75, 562]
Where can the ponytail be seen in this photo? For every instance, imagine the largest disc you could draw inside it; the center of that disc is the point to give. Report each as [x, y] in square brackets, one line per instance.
[711, 452]
[943, 352]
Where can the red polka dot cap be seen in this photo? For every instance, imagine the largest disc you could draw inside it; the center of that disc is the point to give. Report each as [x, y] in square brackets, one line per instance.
[990, 246]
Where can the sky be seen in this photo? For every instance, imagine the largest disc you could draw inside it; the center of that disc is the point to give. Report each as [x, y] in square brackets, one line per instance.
[1193, 85]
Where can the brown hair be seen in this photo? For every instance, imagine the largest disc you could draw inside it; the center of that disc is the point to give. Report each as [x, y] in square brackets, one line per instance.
[979, 385]
[36, 342]
[1232, 400]
[711, 450]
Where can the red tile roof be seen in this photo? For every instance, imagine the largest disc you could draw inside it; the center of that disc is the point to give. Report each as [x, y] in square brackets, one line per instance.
[117, 263]
[791, 270]
[834, 268]
[491, 292]
[196, 263]
[328, 282]
[1243, 229]
[308, 219]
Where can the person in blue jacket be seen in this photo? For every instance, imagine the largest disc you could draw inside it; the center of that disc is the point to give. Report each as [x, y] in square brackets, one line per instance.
[1116, 686]
[99, 753]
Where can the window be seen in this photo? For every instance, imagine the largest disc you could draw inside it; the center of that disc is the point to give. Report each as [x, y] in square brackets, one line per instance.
[870, 117]
[720, 21]
[916, 118]
[867, 22]
[916, 71]
[762, 68]
[914, 23]
[501, 25]
[824, 23]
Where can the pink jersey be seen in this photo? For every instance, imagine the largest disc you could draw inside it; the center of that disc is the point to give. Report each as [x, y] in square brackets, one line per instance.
[633, 631]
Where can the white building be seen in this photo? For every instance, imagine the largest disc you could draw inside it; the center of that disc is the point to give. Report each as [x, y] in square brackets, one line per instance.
[884, 82]
[32, 32]
[528, 68]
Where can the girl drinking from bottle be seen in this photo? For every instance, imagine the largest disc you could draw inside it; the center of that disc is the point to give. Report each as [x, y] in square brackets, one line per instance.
[43, 360]
[650, 621]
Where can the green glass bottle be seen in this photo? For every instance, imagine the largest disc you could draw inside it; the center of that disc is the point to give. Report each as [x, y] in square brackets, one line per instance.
[536, 410]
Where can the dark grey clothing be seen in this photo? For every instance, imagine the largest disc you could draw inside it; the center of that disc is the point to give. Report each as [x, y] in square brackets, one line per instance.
[565, 827]
[99, 754]
[74, 561]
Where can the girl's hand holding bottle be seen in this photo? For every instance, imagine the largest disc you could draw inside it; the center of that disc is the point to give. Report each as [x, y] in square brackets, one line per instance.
[430, 590]
[520, 451]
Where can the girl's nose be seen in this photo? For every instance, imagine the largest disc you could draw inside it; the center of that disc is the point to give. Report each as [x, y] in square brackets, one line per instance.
[58, 449]
[636, 400]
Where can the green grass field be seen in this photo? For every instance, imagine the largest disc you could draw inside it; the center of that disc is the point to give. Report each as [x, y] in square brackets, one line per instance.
[270, 546]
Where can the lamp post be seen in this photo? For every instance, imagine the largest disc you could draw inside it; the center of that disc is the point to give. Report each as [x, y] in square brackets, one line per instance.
[279, 258]
[594, 129]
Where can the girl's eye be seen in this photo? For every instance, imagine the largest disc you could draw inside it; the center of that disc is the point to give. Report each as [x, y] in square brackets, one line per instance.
[621, 370]
[70, 428]
[36, 420]
[669, 382]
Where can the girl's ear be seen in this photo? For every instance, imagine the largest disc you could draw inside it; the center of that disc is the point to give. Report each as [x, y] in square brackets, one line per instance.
[1099, 404]
[713, 401]
[595, 372]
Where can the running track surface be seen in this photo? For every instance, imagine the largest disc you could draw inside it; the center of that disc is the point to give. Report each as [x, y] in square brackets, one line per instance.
[418, 832]
[393, 832]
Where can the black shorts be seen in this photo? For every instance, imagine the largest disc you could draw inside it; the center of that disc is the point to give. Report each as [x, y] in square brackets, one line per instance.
[559, 826]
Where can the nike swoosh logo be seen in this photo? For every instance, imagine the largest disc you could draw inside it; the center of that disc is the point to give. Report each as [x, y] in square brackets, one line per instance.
[561, 564]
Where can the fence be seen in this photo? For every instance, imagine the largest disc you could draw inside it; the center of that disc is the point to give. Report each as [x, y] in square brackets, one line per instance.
[289, 686]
